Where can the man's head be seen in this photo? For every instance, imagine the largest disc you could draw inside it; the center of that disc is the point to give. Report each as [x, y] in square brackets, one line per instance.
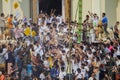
[95, 15]
[11, 15]
[103, 14]
[117, 23]
[62, 69]
[87, 17]
[78, 70]
[2, 15]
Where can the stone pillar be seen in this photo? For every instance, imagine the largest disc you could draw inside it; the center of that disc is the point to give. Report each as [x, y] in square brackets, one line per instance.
[63, 9]
[67, 9]
[111, 11]
[1, 6]
[118, 11]
[34, 10]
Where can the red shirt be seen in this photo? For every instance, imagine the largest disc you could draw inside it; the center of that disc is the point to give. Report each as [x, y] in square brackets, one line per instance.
[2, 77]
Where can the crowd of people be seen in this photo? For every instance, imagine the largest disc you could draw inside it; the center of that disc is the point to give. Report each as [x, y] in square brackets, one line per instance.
[48, 50]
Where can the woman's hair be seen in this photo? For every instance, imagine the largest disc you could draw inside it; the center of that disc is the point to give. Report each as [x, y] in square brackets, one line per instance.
[2, 15]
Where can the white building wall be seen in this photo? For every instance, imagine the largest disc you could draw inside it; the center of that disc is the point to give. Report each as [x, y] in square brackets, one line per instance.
[22, 10]
[87, 6]
[96, 7]
[25, 6]
[110, 7]
[1, 6]
[102, 7]
[111, 11]
[74, 10]
[7, 7]
[118, 11]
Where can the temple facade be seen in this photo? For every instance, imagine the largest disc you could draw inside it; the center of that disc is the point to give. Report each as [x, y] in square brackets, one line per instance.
[30, 8]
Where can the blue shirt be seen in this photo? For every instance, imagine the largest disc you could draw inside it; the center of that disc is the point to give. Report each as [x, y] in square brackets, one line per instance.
[10, 57]
[54, 72]
[18, 61]
[104, 20]
[29, 68]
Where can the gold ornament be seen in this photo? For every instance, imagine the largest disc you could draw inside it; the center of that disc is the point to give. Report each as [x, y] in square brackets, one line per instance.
[6, 0]
[16, 5]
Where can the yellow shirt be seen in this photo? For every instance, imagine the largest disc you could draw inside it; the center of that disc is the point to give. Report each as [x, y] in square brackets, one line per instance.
[50, 61]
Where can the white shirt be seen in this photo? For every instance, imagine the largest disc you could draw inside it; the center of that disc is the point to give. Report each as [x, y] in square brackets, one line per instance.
[95, 22]
[118, 62]
[64, 30]
[79, 76]
[43, 29]
[75, 66]
[86, 68]
[116, 54]
[47, 38]
[46, 63]
[39, 21]
[66, 49]
[90, 55]
[5, 52]
[51, 19]
[89, 61]
[93, 50]
[64, 57]
[42, 76]
[59, 18]
[91, 78]
[38, 50]
[92, 31]
[83, 72]
[62, 75]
